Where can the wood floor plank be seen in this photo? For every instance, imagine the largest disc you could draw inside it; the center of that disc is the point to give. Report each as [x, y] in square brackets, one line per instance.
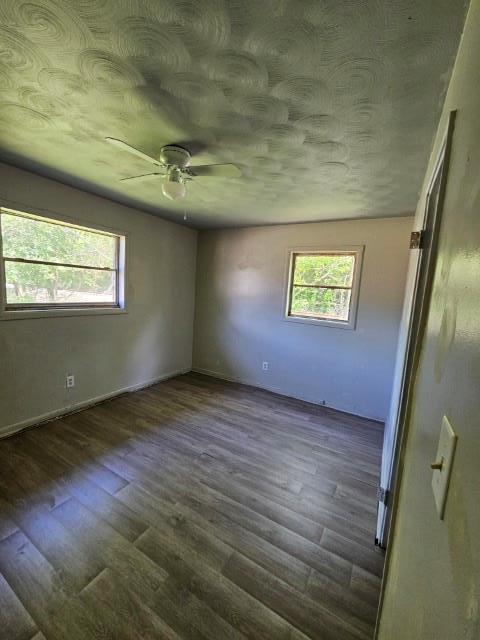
[32, 486]
[169, 606]
[15, 621]
[204, 530]
[96, 536]
[370, 559]
[347, 519]
[195, 509]
[311, 618]
[203, 621]
[342, 601]
[232, 520]
[293, 514]
[360, 494]
[262, 504]
[75, 453]
[235, 605]
[7, 525]
[121, 610]
[366, 586]
[275, 416]
[90, 494]
[57, 545]
[26, 507]
[49, 598]
[282, 537]
[30, 576]
[240, 460]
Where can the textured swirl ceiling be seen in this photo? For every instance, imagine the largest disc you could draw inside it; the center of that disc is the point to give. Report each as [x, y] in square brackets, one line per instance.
[327, 106]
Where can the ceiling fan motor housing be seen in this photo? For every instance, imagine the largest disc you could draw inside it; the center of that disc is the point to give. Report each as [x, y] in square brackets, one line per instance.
[176, 156]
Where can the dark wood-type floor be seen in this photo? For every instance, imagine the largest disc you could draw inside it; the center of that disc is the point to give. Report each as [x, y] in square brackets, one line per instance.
[195, 509]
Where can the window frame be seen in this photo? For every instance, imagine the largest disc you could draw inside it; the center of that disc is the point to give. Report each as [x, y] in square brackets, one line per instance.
[32, 310]
[292, 252]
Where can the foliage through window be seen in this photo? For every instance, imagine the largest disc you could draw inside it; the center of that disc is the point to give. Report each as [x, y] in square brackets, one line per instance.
[322, 286]
[48, 264]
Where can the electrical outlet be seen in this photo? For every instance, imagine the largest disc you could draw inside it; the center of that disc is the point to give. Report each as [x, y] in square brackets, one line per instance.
[265, 366]
[70, 381]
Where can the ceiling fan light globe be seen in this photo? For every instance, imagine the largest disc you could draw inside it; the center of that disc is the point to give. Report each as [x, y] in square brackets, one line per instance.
[173, 190]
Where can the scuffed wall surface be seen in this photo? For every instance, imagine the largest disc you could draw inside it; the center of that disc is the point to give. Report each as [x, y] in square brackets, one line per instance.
[320, 103]
[239, 315]
[433, 585]
[105, 353]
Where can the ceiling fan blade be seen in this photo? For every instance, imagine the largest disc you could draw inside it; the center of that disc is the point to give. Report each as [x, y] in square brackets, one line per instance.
[216, 171]
[126, 147]
[142, 178]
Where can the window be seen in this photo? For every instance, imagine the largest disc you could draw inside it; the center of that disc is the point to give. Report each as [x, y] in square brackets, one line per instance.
[48, 264]
[323, 286]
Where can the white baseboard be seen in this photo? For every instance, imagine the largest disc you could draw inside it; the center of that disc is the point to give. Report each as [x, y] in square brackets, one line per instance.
[9, 430]
[280, 392]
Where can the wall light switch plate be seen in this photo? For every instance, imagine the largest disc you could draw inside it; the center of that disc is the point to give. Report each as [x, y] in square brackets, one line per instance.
[444, 460]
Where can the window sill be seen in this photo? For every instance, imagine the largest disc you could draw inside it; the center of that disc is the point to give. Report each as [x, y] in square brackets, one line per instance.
[336, 324]
[27, 314]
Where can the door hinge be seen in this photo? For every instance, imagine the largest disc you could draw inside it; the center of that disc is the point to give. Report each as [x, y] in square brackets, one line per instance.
[383, 495]
[416, 239]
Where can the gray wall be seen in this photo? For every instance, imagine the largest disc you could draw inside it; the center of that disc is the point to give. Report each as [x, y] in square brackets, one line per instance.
[110, 352]
[433, 583]
[241, 280]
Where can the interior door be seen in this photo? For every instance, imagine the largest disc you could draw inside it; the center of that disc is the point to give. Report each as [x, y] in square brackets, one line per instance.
[419, 279]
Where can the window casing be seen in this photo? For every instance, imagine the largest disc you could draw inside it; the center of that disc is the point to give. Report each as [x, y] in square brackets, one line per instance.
[323, 285]
[53, 267]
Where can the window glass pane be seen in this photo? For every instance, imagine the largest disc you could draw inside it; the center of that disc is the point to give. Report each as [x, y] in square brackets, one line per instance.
[324, 269]
[38, 240]
[44, 284]
[331, 304]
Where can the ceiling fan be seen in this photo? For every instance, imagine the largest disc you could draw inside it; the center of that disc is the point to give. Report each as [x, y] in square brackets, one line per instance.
[174, 166]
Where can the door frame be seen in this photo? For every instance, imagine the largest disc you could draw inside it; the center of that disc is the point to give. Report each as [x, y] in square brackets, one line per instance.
[417, 320]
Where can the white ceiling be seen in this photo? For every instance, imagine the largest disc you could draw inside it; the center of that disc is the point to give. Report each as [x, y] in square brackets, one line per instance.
[328, 106]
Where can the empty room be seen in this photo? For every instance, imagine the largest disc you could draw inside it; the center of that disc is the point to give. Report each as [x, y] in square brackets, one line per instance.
[239, 319]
